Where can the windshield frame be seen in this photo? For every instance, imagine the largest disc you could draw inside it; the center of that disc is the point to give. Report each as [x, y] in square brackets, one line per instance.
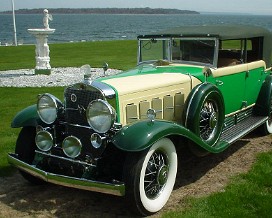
[170, 50]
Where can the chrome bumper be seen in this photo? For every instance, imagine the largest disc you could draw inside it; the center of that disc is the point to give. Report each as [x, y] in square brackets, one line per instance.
[79, 183]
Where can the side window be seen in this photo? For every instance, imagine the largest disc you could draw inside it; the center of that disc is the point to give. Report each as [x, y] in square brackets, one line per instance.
[233, 52]
[254, 49]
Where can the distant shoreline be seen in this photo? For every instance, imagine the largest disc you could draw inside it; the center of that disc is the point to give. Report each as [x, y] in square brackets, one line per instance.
[103, 11]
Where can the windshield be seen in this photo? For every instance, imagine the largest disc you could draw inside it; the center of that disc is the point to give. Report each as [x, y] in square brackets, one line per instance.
[154, 49]
[194, 50]
[200, 50]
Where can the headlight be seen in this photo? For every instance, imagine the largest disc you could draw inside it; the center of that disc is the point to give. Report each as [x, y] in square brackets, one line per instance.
[47, 107]
[100, 115]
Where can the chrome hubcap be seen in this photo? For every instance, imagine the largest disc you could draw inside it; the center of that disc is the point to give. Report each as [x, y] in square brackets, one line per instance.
[162, 175]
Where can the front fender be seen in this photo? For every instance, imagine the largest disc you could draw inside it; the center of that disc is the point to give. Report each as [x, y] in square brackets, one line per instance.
[26, 117]
[141, 135]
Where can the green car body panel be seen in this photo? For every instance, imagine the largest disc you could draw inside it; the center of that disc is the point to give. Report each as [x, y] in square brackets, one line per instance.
[26, 117]
[141, 135]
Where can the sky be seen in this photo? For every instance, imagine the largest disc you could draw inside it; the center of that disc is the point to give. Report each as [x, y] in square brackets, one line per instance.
[232, 6]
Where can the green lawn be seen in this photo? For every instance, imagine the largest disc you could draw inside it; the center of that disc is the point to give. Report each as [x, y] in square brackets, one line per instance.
[118, 54]
[248, 195]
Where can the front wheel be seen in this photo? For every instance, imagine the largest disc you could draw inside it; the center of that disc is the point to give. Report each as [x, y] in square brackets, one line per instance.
[25, 149]
[150, 177]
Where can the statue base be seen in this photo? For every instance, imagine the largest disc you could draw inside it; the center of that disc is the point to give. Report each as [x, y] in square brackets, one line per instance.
[43, 71]
[42, 50]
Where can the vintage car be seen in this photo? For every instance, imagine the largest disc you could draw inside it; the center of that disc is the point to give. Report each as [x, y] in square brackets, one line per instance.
[199, 87]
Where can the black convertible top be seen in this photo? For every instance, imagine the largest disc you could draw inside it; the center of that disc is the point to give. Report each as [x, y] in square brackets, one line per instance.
[220, 31]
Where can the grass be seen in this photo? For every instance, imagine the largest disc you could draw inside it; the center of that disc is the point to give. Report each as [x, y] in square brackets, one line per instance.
[248, 195]
[10, 105]
[118, 54]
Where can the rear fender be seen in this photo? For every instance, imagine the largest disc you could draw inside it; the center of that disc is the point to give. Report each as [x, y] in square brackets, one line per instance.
[263, 102]
[141, 135]
[26, 117]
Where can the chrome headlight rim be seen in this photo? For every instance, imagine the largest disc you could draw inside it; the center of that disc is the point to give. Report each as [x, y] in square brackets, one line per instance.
[44, 140]
[53, 102]
[71, 146]
[111, 113]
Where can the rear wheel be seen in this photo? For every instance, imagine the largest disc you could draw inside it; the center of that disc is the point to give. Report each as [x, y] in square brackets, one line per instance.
[267, 127]
[150, 177]
[25, 149]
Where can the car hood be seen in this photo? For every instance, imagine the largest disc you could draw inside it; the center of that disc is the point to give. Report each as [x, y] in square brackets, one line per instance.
[152, 78]
[164, 89]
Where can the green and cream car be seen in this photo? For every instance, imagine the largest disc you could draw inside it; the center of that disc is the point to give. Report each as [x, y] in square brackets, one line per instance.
[203, 87]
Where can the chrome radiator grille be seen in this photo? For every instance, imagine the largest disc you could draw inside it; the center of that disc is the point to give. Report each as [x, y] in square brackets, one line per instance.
[76, 101]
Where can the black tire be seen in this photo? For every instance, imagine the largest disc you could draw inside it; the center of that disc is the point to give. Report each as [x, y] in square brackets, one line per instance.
[267, 127]
[150, 177]
[25, 149]
[204, 115]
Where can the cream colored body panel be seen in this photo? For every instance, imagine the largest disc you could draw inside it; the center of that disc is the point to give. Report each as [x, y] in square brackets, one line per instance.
[166, 93]
[225, 71]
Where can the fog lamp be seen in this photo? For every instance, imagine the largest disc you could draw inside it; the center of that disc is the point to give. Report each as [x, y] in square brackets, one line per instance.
[44, 140]
[71, 146]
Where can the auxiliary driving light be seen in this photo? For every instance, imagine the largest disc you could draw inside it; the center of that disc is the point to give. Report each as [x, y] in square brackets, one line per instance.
[96, 140]
[71, 146]
[44, 140]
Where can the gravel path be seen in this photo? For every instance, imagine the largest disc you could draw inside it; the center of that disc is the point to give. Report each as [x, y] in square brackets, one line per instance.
[58, 77]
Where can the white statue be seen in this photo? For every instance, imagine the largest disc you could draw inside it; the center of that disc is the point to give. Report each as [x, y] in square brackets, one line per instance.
[46, 19]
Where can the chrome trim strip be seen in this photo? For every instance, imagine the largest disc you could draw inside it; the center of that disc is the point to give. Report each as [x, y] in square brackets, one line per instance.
[104, 88]
[75, 125]
[64, 158]
[79, 183]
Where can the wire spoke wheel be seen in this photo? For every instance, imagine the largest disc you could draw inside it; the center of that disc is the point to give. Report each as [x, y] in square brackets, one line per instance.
[208, 119]
[268, 124]
[156, 174]
[150, 176]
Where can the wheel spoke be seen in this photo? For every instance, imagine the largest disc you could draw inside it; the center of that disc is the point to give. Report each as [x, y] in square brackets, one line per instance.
[208, 119]
[152, 182]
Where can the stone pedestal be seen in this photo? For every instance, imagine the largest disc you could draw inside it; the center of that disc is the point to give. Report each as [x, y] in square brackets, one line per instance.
[42, 50]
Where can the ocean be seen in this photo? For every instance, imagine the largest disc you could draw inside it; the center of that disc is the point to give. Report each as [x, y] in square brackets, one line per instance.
[94, 27]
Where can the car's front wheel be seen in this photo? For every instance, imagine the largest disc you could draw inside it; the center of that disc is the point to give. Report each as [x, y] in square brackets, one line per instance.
[25, 149]
[150, 176]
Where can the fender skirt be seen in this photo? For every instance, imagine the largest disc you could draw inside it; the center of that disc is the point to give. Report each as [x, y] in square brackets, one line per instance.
[141, 135]
[26, 117]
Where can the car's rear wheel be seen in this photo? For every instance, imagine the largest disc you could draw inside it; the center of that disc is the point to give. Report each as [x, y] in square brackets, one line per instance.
[267, 127]
[150, 177]
[25, 149]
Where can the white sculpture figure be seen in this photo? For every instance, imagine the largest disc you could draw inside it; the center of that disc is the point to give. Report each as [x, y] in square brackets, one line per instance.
[46, 19]
[42, 48]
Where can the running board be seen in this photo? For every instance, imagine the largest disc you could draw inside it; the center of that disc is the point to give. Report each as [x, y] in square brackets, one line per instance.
[238, 131]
